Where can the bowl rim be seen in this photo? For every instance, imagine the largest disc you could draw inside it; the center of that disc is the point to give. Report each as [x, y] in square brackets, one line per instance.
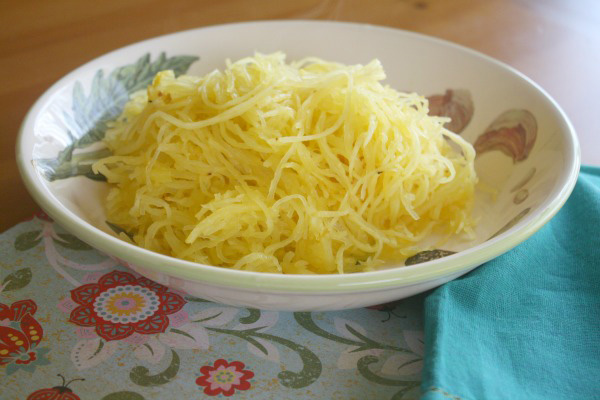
[252, 281]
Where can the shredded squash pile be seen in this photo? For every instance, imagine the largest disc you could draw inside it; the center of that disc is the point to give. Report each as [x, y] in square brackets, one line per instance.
[302, 168]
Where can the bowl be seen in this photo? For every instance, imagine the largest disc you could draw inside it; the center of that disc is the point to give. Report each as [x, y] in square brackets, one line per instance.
[528, 154]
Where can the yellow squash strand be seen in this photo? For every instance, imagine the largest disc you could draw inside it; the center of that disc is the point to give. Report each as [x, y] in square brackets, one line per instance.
[308, 167]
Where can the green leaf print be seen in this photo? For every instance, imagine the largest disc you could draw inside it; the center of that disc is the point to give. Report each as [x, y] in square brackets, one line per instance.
[17, 280]
[252, 317]
[78, 164]
[27, 240]
[124, 395]
[305, 320]
[363, 368]
[71, 242]
[361, 343]
[90, 115]
[180, 332]
[140, 375]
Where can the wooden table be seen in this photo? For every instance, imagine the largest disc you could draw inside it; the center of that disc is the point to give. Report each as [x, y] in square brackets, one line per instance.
[555, 42]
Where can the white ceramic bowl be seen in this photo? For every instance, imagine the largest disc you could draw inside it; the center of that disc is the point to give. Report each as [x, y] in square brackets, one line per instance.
[528, 151]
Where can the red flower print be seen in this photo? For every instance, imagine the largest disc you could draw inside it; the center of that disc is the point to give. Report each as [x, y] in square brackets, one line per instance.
[20, 334]
[224, 378]
[121, 304]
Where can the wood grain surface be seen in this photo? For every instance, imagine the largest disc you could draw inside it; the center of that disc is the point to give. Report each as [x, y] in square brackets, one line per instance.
[555, 42]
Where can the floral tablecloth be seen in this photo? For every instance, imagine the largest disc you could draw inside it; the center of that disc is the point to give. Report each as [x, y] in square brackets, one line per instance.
[74, 324]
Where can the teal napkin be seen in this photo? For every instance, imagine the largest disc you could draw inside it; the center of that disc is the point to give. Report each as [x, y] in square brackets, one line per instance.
[527, 324]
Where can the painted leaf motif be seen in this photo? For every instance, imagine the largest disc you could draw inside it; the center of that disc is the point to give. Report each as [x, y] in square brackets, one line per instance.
[190, 336]
[348, 358]
[515, 220]
[68, 164]
[402, 364]
[89, 353]
[27, 240]
[268, 350]
[341, 325]
[415, 341]
[71, 242]
[215, 316]
[17, 280]
[427, 255]
[108, 95]
[151, 352]
[521, 196]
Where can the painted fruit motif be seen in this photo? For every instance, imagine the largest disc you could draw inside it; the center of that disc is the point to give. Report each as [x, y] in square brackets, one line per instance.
[456, 104]
[513, 133]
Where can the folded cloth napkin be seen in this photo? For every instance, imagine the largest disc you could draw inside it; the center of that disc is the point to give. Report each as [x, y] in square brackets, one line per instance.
[525, 325]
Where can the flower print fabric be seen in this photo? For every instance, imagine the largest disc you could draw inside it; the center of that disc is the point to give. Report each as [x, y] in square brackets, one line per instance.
[224, 378]
[20, 335]
[120, 305]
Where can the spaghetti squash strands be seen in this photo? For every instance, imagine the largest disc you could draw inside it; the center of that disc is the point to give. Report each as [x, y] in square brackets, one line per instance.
[308, 167]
